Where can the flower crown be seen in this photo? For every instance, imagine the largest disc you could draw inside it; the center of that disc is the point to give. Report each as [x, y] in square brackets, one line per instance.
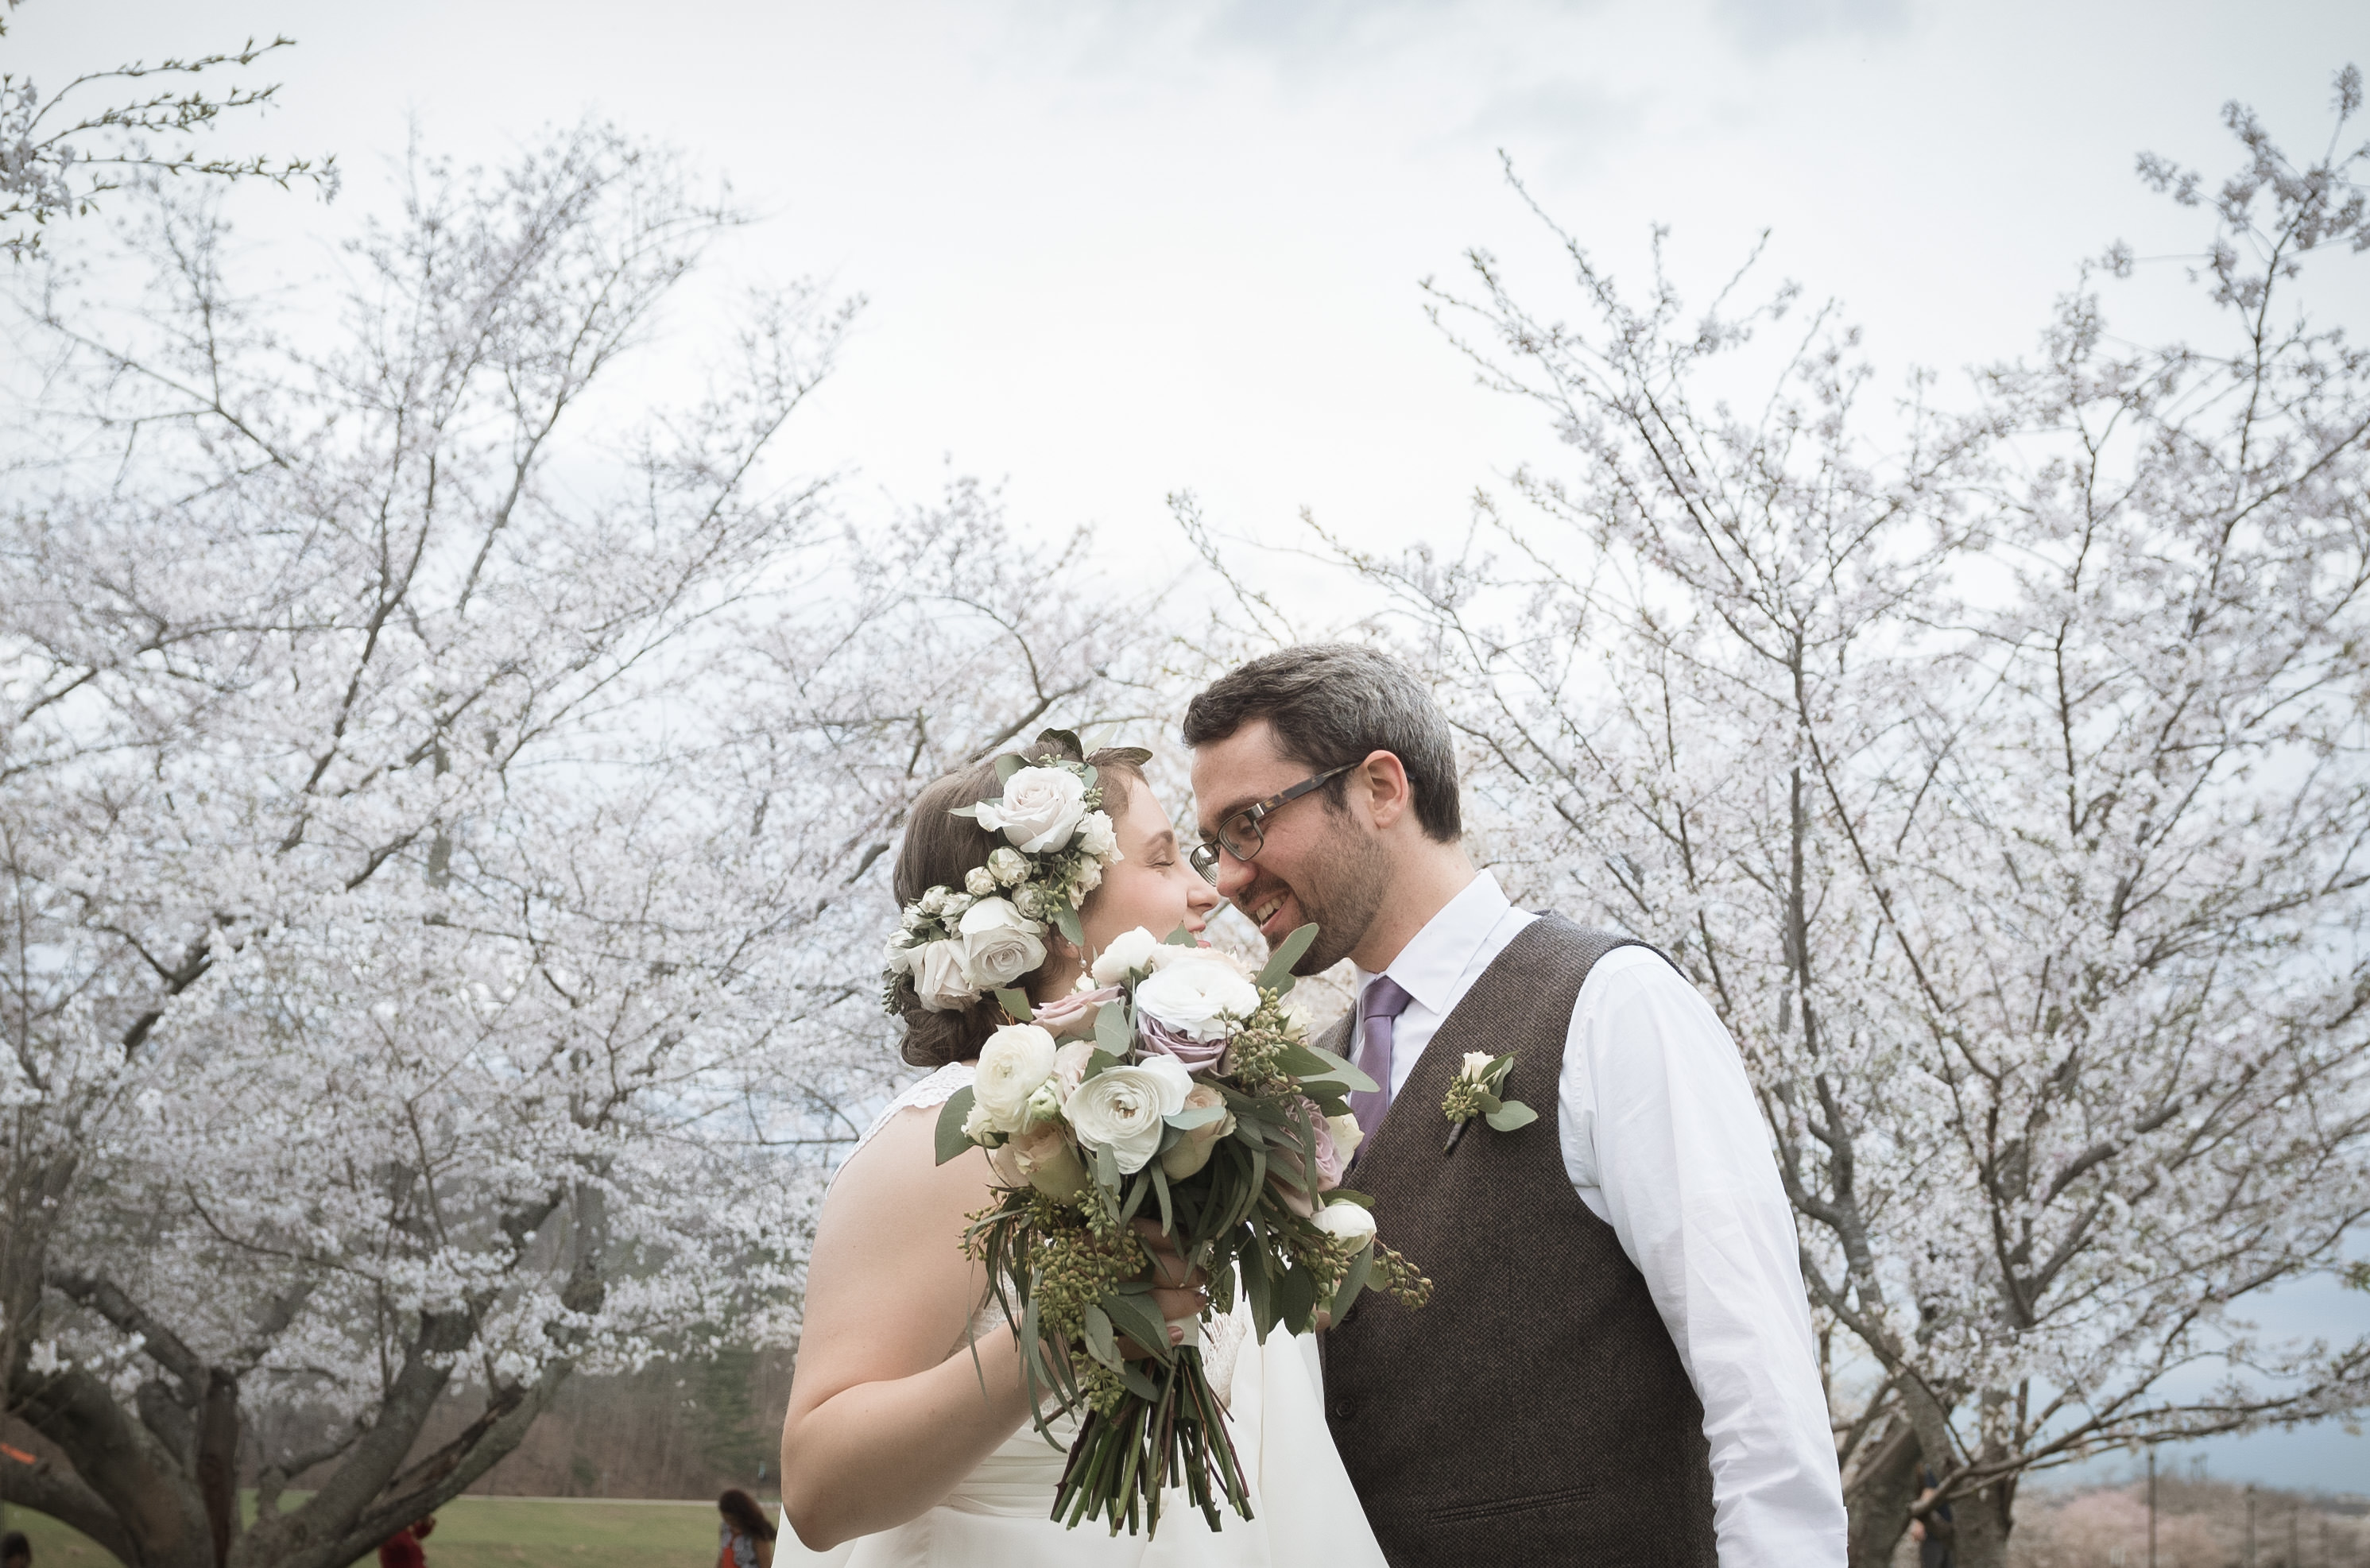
[958, 944]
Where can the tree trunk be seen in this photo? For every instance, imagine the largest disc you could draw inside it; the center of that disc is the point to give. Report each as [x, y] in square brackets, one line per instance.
[1882, 1486]
[1983, 1520]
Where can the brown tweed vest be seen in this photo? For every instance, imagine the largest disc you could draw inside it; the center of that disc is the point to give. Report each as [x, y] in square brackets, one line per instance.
[1535, 1412]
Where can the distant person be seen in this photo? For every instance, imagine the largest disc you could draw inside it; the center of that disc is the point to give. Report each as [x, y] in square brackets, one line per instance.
[16, 1552]
[1934, 1532]
[744, 1540]
[402, 1549]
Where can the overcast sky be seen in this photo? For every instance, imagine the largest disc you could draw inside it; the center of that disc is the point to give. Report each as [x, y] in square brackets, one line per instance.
[1115, 251]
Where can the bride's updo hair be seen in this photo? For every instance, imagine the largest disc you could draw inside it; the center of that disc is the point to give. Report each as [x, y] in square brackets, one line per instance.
[938, 851]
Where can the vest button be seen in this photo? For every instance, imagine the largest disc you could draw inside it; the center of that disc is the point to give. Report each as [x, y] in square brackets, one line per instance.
[1345, 1408]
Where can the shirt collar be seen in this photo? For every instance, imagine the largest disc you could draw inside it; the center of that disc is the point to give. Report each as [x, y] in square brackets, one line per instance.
[1435, 958]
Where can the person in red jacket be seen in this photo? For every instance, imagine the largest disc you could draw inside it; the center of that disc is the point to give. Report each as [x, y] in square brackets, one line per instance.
[402, 1548]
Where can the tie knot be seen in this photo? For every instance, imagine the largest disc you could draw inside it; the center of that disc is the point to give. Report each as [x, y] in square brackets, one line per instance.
[1382, 998]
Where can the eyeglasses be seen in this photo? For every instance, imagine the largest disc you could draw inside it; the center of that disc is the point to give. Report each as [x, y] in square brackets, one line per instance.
[1240, 835]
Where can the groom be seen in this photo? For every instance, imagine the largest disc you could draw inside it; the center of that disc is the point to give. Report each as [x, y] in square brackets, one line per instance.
[1616, 1366]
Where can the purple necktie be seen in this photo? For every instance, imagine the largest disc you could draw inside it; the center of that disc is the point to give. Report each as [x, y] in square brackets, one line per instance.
[1379, 1006]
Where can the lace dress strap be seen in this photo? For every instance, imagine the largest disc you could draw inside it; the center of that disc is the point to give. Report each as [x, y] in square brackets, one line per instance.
[925, 1094]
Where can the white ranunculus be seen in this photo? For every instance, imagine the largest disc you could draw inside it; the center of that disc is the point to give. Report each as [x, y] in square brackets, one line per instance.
[1129, 949]
[1347, 1135]
[1346, 1222]
[1010, 866]
[1098, 837]
[1039, 811]
[999, 943]
[1193, 993]
[979, 881]
[1177, 1083]
[1121, 1109]
[1016, 1059]
[940, 977]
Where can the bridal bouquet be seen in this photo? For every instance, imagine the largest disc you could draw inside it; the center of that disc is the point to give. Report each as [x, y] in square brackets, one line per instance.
[1170, 1087]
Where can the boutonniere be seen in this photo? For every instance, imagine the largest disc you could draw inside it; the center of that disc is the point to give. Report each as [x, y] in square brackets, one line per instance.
[1475, 1092]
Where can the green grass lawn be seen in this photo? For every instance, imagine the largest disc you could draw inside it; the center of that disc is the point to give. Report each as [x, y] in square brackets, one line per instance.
[493, 1532]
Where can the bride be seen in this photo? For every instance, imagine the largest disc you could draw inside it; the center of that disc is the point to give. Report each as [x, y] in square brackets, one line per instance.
[908, 1442]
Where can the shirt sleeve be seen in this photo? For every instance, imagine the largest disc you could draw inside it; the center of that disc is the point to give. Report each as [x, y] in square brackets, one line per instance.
[1663, 1138]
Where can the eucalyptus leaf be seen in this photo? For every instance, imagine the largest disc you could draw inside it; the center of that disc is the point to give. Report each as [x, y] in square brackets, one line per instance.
[1135, 1191]
[1199, 1116]
[1160, 1191]
[1277, 975]
[1100, 1343]
[1106, 1167]
[1065, 920]
[1006, 767]
[1181, 937]
[1354, 1281]
[1296, 1300]
[1133, 1315]
[951, 1117]
[1513, 1114]
[1015, 1005]
[1138, 1384]
[1111, 1032]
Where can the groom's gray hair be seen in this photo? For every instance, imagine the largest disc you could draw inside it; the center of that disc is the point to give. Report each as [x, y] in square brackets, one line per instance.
[1332, 704]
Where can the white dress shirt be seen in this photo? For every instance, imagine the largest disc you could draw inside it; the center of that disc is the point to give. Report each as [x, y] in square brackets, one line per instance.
[1663, 1140]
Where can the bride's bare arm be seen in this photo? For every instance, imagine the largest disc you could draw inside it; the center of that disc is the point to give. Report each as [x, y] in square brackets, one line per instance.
[887, 1410]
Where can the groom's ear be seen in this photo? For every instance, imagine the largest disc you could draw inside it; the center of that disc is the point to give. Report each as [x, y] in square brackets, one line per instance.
[1383, 779]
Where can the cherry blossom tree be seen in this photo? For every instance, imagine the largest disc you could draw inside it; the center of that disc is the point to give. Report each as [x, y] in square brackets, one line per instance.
[443, 799]
[61, 151]
[2000, 776]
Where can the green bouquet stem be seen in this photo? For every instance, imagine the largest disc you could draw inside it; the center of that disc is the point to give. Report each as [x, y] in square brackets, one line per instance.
[1121, 1463]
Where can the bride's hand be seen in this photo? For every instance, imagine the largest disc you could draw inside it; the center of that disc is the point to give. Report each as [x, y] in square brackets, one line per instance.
[1178, 1291]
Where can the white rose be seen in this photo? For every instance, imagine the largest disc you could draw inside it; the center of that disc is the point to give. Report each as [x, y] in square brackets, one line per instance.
[1347, 1135]
[1121, 1109]
[1192, 992]
[978, 1125]
[898, 956]
[999, 943]
[1129, 949]
[939, 978]
[1098, 837]
[1346, 1222]
[912, 918]
[957, 903]
[1031, 901]
[979, 881]
[1040, 809]
[1016, 1059]
[1476, 1063]
[1091, 877]
[934, 900]
[1010, 866]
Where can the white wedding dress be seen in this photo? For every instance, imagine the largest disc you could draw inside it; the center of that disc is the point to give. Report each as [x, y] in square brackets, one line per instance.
[1306, 1513]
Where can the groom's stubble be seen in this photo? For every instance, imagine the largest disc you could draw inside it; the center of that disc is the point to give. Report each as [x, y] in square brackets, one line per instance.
[1341, 890]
